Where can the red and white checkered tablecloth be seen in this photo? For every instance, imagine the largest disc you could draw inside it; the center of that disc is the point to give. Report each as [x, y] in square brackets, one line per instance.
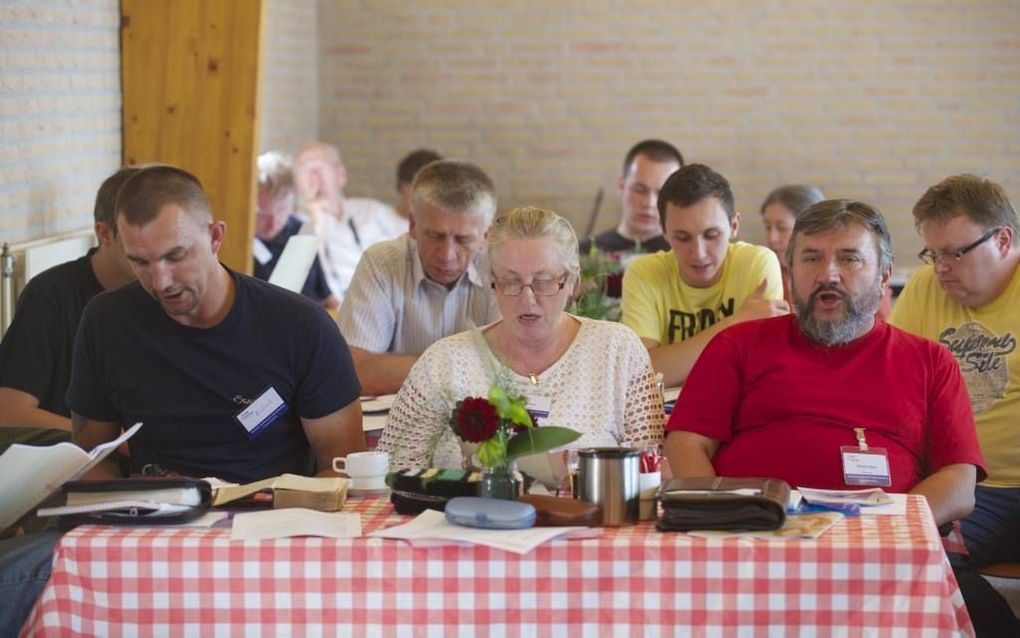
[874, 575]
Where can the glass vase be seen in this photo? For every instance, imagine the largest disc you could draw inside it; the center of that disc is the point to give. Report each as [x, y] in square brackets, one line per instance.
[499, 482]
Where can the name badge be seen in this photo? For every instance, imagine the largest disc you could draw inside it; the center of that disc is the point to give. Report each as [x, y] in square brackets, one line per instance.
[262, 411]
[259, 251]
[866, 467]
[538, 407]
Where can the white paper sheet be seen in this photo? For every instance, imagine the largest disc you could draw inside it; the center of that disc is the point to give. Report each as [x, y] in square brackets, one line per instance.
[28, 474]
[430, 528]
[295, 262]
[865, 497]
[294, 521]
[895, 504]
[377, 405]
[796, 526]
[898, 506]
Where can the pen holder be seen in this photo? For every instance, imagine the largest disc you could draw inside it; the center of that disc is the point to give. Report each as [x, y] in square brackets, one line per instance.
[648, 485]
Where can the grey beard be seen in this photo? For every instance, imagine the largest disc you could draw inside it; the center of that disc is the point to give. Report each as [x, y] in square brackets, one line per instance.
[837, 332]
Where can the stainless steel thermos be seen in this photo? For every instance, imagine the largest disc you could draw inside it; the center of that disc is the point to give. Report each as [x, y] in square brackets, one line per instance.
[608, 477]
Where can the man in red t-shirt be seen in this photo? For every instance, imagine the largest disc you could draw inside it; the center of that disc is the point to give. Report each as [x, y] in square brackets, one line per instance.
[831, 397]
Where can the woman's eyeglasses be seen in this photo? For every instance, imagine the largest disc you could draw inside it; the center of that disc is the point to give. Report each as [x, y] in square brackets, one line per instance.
[539, 287]
[930, 257]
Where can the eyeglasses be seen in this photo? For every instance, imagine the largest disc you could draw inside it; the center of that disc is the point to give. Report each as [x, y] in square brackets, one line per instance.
[539, 287]
[930, 257]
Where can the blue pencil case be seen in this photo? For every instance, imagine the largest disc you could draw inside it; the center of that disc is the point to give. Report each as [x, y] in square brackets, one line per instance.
[490, 513]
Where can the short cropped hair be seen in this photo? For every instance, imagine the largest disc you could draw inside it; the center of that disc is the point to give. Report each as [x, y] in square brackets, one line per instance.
[106, 197]
[275, 174]
[530, 222]
[835, 214]
[796, 198]
[655, 150]
[148, 191]
[414, 162]
[983, 201]
[455, 187]
[690, 185]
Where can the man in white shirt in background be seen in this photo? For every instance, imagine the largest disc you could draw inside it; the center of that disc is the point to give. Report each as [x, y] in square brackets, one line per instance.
[414, 290]
[346, 225]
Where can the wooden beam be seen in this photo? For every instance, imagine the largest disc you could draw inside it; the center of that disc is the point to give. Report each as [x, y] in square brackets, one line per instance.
[190, 76]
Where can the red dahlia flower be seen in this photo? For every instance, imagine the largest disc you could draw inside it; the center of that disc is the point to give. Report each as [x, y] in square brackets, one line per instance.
[475, 419]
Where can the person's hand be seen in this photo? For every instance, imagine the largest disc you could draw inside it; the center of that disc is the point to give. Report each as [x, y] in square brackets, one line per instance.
[756, 306]
[318, 208]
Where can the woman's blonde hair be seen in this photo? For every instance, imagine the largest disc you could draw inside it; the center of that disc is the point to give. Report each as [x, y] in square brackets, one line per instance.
[531, 222]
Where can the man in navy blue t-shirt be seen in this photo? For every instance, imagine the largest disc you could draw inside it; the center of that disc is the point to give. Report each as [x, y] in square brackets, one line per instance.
[231, 376]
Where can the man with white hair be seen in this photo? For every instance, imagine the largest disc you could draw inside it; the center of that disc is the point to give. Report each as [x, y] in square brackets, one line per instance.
[414, 290]
[346, 225]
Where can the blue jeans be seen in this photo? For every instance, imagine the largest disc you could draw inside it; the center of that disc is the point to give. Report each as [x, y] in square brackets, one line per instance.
[25, 566]
[992, 530]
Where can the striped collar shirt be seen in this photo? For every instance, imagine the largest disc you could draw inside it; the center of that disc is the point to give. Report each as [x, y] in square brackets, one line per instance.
[391, 306]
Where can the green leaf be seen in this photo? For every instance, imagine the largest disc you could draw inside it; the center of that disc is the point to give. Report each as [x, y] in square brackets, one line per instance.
[519, 415]
[499, 399]
[492, 453]
[540, 439]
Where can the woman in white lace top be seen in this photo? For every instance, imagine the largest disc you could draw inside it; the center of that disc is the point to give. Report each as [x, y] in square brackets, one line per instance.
[592, 376]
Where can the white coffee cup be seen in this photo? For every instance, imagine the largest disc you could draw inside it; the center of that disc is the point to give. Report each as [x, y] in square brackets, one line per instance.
[366, 469]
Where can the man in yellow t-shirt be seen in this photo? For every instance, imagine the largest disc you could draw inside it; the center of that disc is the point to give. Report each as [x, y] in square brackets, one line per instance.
[968, 299]
[677, 301]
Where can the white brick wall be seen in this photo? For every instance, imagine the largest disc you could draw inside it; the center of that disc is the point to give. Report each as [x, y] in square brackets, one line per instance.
[290, 77]
[873, 100]
[60, 102]
[868, 99]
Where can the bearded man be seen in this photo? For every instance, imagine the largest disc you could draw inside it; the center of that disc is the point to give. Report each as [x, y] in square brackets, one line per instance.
[831, 397]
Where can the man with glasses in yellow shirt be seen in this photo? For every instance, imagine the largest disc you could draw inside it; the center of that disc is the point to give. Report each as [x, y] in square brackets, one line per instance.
[967, 298]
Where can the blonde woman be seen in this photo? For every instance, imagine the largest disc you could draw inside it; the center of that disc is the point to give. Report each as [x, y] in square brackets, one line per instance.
[592, 376]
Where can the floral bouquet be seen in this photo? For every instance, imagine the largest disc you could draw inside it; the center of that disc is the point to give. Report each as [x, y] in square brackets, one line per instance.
[503, 429]
[601, 279]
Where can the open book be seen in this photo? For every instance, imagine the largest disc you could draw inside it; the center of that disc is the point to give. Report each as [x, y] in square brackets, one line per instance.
[326, 494]
[29, 474]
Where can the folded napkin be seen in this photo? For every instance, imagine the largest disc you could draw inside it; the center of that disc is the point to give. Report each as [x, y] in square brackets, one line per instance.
[719, 503]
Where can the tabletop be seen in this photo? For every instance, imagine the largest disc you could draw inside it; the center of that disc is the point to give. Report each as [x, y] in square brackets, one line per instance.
[868, 575]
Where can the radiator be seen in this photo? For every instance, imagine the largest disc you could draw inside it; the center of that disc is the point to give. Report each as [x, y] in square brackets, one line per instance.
[20, 262]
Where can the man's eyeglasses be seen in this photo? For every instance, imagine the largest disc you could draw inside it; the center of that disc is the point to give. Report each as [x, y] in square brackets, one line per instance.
[539, 287]
[930, 257]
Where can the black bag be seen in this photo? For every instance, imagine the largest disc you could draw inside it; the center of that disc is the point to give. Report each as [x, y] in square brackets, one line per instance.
[135, 501]
[717, 503]
[418, 489]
